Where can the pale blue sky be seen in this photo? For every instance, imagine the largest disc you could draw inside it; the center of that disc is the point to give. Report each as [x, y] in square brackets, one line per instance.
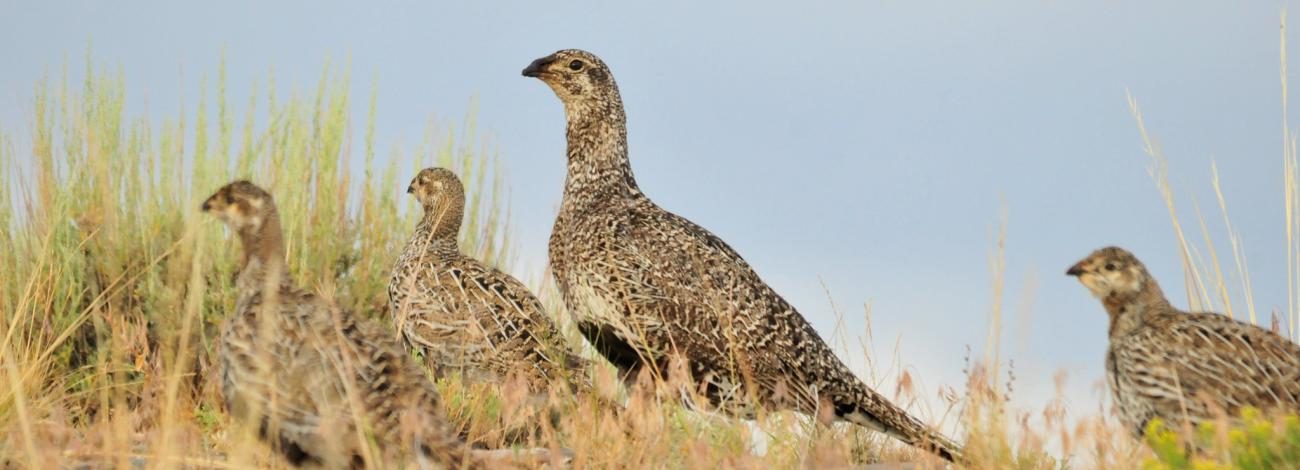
[867, 144]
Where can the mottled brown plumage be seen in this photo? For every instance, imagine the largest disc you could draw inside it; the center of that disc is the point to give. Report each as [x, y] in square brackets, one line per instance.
[1183, 367]
[647, 286]
[466, 316]
[316, 380]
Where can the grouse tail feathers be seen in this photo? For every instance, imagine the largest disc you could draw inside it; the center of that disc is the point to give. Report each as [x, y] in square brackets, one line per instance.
[863, 406]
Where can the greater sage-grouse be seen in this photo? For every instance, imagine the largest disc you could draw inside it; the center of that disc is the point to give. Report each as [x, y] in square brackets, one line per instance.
[319, 383]
[647, 286]
[1183, 367]
[462, 314]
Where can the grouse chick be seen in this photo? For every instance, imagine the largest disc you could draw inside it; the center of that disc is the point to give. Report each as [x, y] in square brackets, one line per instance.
[463, 314]
[318, 382]
[1182, 367]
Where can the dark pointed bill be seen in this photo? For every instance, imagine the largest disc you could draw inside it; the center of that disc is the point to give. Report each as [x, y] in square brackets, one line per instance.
[538, 66]
[1075, 270]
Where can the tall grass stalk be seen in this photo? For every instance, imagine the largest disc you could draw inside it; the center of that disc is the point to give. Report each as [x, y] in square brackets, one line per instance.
[1197, 296]
[1203, 276]
[1291, 194]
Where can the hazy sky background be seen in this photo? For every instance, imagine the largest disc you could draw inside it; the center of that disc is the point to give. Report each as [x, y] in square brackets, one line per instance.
[869, 145]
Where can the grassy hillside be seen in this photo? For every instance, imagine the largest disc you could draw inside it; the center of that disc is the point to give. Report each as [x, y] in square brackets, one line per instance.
[113, 285]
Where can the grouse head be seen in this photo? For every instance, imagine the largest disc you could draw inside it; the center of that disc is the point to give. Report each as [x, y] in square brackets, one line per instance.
[241, 205]
[443, 198]
[1111, 272]
[578, 77]
[435, 187]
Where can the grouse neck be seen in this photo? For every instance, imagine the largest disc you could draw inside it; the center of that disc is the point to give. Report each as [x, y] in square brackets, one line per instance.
[441, 222]
[263, 253]
[597, 151]
[1129, 310]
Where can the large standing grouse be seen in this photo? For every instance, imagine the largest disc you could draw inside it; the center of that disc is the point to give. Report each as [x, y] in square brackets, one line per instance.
[1178, 366]
[647, 286]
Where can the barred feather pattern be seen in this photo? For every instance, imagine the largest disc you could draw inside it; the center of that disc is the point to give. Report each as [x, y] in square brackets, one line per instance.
[463, 315]
[317, 381]
[648, 287]
[1183, 367]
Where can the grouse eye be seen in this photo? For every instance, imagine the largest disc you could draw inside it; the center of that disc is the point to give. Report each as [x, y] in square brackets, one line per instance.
[230, 198]
[1110, 266]
[575, 65]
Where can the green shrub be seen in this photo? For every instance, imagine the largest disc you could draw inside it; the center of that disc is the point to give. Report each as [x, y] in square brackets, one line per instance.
[1251, 442]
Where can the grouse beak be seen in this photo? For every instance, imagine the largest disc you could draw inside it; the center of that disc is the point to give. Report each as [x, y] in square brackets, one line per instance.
[538, 67]
[207, 206]
[1076, 270]
[410, 189]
